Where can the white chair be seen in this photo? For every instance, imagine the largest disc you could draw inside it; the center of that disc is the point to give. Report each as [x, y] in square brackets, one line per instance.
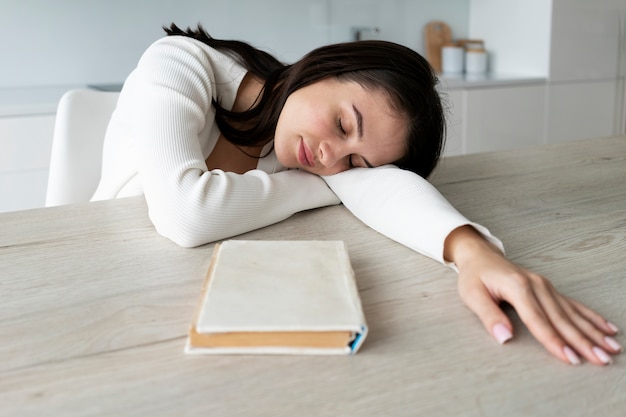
[81, 121]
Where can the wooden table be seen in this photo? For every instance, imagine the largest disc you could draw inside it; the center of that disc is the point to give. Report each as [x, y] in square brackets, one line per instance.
[95, 306]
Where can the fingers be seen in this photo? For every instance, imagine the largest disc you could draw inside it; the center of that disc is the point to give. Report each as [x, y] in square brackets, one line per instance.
[478, 299]
[569, 332]
[592, 325]
[599, 321]
[539, 318]
[562, 326]
[566, 328]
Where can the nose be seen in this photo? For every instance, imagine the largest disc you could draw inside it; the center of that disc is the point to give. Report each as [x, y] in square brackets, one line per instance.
[331, 152]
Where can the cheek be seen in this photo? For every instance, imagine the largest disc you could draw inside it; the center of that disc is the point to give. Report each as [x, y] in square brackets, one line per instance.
[319, 123]
[281, 149]
[281, 137]
[307, 117]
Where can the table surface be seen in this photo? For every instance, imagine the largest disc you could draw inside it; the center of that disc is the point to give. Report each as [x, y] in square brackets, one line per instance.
[95, 306]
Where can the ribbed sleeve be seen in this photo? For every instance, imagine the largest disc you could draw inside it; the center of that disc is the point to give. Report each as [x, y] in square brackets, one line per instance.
[402, 206]
[165, 107]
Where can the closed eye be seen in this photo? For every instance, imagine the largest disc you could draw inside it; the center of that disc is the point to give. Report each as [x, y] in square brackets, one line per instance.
[351, 157]
[364, 162]
[340, 126]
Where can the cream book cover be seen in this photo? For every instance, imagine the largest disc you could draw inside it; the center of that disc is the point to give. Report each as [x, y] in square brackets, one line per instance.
[279, 297]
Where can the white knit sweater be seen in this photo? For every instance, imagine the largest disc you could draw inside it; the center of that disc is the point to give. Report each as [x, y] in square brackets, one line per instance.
[163, 130]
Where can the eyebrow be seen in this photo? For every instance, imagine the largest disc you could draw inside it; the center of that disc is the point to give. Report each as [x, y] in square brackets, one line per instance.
[359, 121]
[359, 128]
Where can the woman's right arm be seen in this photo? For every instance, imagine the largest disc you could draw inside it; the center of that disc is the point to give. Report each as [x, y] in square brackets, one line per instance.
[171, 92]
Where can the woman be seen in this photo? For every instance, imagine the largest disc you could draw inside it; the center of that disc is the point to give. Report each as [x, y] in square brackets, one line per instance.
[221, 138]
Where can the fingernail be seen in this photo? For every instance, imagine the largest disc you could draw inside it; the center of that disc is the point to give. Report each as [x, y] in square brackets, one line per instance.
[572, 357]
[612, 327]
[602, 355]
[613, 343]
[501, 333]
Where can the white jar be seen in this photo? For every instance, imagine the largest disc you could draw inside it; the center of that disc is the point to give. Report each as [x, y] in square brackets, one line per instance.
[452, 59]
[476, 61]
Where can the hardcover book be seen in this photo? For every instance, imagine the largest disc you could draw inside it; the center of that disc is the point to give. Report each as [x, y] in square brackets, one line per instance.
[278, 297]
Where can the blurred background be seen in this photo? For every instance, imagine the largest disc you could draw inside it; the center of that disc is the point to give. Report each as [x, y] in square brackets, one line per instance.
[553, 69]
[99, 41]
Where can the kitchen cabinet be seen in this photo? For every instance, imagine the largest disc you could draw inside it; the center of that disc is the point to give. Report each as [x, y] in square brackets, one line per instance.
[585, 42]
[581, 110]
[26, 143]
[493, 112]
[26, 129]
[504, 118]
[454, 106]
[579, 46]
[585, 88]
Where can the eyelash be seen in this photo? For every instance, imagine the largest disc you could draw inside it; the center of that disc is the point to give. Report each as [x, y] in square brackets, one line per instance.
[340, 126]
[343, 131]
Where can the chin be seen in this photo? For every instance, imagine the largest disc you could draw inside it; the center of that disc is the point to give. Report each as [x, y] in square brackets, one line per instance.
[309, 170]
[281, 157]
[320, 172]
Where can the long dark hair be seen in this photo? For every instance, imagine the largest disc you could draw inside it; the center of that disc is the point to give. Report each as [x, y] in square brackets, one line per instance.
[402, 73]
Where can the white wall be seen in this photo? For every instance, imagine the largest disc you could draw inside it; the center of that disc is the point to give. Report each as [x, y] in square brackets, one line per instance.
[65, 42]
[517, 34]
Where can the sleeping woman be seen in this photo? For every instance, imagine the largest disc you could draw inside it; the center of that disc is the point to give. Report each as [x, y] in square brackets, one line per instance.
[221, 138]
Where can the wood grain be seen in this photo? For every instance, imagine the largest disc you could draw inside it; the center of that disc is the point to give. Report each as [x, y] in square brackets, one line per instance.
[95, 306]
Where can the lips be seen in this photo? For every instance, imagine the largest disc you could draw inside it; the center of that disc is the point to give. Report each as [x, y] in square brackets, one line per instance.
[305, 156]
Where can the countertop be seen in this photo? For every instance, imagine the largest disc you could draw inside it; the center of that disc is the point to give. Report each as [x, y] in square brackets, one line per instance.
[469, 81]
[37, 100]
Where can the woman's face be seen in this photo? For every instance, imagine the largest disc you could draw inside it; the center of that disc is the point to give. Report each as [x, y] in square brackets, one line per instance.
[331, 126]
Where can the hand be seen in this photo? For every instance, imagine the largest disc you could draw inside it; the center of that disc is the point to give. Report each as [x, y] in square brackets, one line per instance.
[565, 327]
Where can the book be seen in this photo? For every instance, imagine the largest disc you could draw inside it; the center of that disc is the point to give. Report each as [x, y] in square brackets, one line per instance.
[278, 297]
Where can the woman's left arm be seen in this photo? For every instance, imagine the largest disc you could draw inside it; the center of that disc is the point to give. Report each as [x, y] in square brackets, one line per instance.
[563, 326]
[402, 206]
[409, 210]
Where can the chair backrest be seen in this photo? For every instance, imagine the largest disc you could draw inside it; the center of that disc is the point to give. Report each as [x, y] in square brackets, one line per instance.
[80, 125]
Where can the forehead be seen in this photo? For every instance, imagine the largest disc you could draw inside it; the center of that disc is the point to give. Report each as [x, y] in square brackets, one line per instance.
[382, 111]
[385, 130]
[385, 103]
